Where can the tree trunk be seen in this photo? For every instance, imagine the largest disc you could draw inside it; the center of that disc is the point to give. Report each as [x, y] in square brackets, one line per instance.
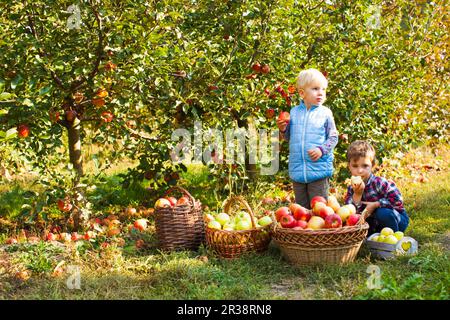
[76, 159]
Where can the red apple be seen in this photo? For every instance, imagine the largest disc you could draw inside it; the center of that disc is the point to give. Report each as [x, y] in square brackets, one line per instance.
[301, 224]
[130, 211]
[333, 221]
[353, 219]
[316, 223]
[23, 131]
[172, 200]
[288, 221]
[294, 206]
[182, 201]
[302, 214]
[64, 205]
[51, 237]
[11, 241]
[284, 116]
[283, 211]
[270, 113]
[317, 199]
[265, 69]
[256, 67]
[140, 224]
[325, 211]
[107, 116]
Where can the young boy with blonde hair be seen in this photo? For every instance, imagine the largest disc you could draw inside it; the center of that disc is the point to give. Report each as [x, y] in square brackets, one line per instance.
[380, 197]
[312, 136]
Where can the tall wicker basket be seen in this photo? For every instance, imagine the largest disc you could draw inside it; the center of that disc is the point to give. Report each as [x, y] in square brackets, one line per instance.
[326, 246]
[180, 227]
[233, 244]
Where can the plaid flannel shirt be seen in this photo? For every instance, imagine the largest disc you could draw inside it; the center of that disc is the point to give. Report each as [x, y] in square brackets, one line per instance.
[381, 190]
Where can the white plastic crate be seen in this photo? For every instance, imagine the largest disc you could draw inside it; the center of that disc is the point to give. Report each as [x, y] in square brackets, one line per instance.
[405, 246]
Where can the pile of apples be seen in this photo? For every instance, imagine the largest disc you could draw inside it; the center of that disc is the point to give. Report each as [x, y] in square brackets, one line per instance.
[325, 214]
[241, 221]
[170, 202]
[387, 235]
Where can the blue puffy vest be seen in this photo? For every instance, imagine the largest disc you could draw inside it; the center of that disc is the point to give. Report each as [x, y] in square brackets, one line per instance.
[307, 130]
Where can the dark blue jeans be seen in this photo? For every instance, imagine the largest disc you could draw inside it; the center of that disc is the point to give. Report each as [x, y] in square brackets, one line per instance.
[384, 217]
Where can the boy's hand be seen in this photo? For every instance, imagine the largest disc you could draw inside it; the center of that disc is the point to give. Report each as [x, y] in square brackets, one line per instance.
[371, 206]
[315, 154]
[358, 188]
[281, 124]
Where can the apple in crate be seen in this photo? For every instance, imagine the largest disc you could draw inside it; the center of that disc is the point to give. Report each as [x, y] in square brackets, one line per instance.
[333, 221]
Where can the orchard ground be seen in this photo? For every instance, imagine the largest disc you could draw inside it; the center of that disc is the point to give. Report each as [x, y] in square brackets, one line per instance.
[129, 272]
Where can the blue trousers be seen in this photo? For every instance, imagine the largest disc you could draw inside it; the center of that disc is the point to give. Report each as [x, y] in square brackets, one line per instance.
[384, 217]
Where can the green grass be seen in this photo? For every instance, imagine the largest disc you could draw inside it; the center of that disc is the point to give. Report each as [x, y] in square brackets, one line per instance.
[149, 274]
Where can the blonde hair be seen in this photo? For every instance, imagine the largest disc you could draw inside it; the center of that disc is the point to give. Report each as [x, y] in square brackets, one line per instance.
[308, 76]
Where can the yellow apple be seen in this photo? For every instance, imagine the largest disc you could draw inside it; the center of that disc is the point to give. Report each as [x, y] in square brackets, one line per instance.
[214, 225]
[391, 239]
[387, 231]
[375, 238]
[381, 238]
[333, 203]
[316, 223]
[399, 235]
[243, 225]
[223, 218]
[344, 212]
[351, 207]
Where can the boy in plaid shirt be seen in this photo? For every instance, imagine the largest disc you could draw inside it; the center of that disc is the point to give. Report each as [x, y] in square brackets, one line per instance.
[377, 195]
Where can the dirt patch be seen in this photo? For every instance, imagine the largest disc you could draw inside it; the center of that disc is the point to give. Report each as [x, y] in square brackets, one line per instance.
[445, 240]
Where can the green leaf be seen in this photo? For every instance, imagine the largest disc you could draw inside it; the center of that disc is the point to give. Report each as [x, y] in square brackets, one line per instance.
[44, 90]
[6, 96]
[16, 81]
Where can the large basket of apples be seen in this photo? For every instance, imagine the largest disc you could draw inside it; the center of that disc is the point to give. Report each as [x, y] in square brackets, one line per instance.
[237, 230]
[179, 222]
[327, 234]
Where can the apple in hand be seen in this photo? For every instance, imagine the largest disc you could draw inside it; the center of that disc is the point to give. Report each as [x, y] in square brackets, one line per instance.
[284, 116]
[333, 221]
[316, 199]
[353, 219]
[288, 221]
[283, 211]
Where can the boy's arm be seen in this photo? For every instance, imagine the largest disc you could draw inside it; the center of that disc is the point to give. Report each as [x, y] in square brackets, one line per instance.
[331, 134]
[348, 199]
[392, 197]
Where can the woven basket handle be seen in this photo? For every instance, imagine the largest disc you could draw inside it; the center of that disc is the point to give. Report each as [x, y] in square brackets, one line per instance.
[243, 203]
[182, 190]
[364, 215]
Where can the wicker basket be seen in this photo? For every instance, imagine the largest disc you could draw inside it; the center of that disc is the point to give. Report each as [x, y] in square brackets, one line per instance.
[326, 246]
[233, 244]
[180, 227]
